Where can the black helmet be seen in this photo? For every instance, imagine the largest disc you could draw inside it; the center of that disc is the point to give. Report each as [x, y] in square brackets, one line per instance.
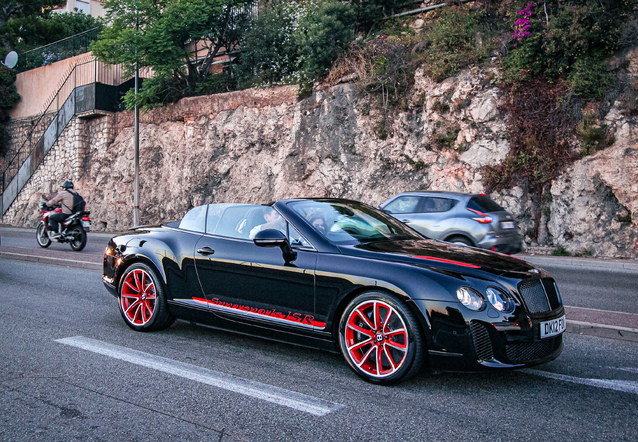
[68, 184]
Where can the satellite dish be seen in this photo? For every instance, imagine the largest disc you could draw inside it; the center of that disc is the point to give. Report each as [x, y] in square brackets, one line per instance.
[11, 59]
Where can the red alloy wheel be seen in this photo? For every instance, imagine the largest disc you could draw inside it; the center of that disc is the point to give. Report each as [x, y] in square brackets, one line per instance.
[137, 297]
[376, 338]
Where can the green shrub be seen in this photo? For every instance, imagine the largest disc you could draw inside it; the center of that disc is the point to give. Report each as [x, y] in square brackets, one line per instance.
[584, 254]
[560, 251]
[453, 35]
[269, 49]
[567, 39]
[295, 42]
[324, 33]
[446, 140]
[592, 134]
[8, 99]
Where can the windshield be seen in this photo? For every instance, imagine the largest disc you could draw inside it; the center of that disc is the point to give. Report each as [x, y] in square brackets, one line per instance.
[348, 222]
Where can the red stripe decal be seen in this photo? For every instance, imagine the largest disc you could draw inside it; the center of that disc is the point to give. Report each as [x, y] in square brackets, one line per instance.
[296, 318]
[448, 261]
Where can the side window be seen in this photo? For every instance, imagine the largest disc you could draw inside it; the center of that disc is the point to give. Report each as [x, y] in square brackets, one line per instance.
[403, 204]
[234, 222]
[437, 205]
[429, 205]
[295, 238]
[195, 219]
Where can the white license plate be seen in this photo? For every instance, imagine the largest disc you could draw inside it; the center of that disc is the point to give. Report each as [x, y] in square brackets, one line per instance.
[86, 225]
[553, 327]
[507, 225]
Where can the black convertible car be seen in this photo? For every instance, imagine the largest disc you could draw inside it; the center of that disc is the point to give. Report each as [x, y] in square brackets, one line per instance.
[338, 275]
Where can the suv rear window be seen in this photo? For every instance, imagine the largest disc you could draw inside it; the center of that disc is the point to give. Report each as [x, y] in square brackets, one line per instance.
[483, 203]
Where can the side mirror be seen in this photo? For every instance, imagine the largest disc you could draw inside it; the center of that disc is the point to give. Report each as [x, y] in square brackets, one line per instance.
[274, 238]
[270, 238]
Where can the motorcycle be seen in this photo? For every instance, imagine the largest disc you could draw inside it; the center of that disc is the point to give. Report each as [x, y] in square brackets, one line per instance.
[74, 228]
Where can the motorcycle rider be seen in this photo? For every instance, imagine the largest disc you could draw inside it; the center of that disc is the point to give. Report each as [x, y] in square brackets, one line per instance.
[65, 199]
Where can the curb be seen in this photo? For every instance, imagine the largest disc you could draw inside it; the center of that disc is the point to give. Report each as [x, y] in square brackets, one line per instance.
[602, 331]
[611, 265]
[54, 261]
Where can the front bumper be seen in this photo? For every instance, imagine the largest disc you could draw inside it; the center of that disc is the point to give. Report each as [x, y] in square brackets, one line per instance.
[461, 339]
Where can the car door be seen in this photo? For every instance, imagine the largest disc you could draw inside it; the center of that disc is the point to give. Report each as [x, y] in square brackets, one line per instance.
[418, 212]
[243, 281]
[406, 209]
[434, 219]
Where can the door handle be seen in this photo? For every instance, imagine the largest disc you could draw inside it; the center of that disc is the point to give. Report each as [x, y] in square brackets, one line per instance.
[205, 251]
[405, 221]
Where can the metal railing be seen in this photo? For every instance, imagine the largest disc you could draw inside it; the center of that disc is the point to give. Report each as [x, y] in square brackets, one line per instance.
[56, 51]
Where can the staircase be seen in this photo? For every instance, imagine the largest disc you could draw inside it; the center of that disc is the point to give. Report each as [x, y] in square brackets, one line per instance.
[89, 88]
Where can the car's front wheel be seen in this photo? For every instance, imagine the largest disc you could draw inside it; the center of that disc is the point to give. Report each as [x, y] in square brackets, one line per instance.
[142, 299]
[380, 338]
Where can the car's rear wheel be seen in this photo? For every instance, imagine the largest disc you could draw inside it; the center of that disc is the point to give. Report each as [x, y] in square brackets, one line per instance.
[380, 338]
[460, 240]
[42, 236]
[142, 299]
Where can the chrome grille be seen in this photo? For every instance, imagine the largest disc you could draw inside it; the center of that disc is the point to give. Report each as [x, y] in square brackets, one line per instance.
[534, 296]
[531, 351]
[482, 342]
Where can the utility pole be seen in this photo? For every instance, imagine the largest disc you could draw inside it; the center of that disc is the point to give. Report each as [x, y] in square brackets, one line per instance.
[136, 172]
[136, 180]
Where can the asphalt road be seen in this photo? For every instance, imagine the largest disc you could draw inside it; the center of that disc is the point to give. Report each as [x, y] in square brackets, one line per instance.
[600, 296]
[72, 370]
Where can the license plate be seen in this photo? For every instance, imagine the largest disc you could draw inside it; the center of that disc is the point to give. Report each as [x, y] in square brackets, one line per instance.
[507, 225]
[553, 327]
[86, 225]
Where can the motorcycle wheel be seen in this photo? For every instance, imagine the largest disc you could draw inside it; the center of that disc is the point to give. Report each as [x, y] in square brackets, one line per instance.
[42, 236]
[78, 238]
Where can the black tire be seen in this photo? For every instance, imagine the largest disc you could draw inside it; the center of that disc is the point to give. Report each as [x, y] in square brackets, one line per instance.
[460, 240]
[395, 333]
[78, 240]
[42, 237]
[142, 299]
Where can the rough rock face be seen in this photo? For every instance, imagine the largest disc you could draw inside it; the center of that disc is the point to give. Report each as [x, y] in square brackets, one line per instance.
[264, 144]
[320, 146]
[595, 204]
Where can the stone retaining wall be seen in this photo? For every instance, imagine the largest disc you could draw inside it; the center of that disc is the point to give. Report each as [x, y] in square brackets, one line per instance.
[261, 145]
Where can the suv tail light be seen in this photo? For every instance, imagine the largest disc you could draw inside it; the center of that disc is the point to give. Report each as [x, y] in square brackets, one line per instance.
[484, 218]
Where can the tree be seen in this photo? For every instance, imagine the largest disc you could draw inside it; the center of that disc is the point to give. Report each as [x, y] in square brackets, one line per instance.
[177, 39]
[21, 11]
[8, 99]
[295, 42]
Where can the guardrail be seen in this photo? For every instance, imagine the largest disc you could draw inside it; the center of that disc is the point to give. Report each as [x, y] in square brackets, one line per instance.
[57, 51]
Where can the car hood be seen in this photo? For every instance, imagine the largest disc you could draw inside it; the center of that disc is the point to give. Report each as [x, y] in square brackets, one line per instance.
[438, 254]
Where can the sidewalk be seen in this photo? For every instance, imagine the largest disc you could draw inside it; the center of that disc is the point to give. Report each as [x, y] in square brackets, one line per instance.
[584, 321]
[56, 257]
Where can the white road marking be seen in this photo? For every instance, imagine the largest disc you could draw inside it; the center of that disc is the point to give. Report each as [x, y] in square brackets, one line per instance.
[280, 396]
[629, 369]
[610, 384]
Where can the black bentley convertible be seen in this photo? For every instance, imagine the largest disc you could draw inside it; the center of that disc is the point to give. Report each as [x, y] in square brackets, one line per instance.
[338, 275]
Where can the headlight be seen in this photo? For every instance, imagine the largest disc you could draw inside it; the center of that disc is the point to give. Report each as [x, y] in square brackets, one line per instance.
[500, 300]
[470, 298]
